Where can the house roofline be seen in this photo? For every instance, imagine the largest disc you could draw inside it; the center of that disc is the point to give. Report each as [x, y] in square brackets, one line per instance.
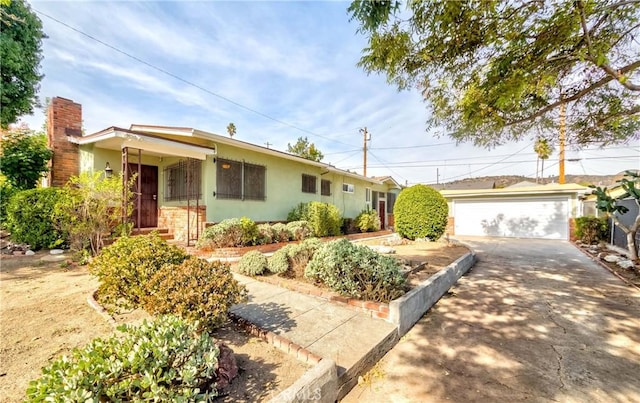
[569, 188]
[188, 131]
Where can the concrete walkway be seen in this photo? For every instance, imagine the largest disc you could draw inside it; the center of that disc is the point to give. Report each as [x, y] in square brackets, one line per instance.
[351, 338]
[533, 321]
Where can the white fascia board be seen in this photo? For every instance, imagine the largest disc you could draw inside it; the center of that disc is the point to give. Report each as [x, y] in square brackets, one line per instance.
[146, 143]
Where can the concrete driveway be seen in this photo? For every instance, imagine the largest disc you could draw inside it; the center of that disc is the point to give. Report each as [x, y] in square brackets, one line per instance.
[533, 320]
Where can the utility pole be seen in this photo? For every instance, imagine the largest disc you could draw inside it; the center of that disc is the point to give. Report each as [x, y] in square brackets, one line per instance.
[437, 176]
[562, 136]
[367, 137]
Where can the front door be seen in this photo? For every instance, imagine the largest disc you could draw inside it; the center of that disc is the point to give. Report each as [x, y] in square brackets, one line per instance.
[382, 213]
[148, 195]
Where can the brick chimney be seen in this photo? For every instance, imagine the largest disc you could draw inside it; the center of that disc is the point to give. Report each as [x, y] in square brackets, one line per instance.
[64, 118]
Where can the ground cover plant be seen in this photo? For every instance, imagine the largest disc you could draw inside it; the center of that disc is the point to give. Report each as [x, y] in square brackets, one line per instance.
[356, 271]
[167, 359]
[252, 263]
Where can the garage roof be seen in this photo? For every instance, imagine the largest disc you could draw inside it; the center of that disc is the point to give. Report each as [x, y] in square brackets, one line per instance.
[550, 189]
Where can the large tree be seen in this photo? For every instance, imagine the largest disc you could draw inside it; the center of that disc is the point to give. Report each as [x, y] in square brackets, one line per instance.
[495, 71]
[305, 149]
[21, 52]
[24, 157]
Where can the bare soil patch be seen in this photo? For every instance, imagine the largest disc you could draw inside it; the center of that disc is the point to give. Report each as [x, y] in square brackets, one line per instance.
[44, 314]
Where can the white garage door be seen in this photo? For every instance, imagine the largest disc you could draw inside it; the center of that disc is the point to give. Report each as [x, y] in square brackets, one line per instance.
[522, 218]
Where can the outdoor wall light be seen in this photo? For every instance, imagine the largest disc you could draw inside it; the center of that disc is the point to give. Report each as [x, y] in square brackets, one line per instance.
[226, 165]
[108, 172]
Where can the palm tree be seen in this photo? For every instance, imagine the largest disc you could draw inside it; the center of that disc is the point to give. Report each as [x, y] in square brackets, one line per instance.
[231, 129]
[544, 150]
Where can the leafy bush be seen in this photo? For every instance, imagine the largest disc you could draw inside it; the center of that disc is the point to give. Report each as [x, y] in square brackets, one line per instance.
[356, 271]
[368, 220]
[299, 230]
[278, 263]
[125, 267]
[299, 212]
[226, 234]
[265, 234]
[196, 289]
[420, 212]
[24, 157]
[300, 254]
[249, 231]
[92, 210]
[592, 230]
[252, 263]
[6, 191]
[349, 226]
[30, 217]
[280, 232]
[292, 259]
[164, 360]
[324, 219]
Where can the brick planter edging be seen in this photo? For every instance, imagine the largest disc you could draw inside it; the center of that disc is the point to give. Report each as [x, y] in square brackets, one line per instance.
[93, 303]
[277, 341]
[405, 311]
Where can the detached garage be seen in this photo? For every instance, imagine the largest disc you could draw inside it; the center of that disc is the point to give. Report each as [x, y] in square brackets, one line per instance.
[539, 211]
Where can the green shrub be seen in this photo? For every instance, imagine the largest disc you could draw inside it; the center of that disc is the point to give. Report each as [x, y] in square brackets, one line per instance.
[265, 234]
[280, 232]
[299, 230]
[291, 260]
[92, 210]
[30, 217]
[299, 212]
[125, 267]
[368, 220]
[6, 191]
[278, 263]
[324, 219]
[249, 231]
[300, 254]
[252, 263]
[168, 359]
[420, 212]
[349, 226]
[227, 233]
[356, 271]
[591, 229]
[196, 290]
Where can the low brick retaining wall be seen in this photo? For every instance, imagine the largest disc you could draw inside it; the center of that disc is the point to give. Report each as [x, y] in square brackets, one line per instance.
[405, 311]
[319, 384]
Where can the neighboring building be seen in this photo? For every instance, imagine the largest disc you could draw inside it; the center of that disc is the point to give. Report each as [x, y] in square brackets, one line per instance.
[189, 177]
[539, 211]
[467, 185]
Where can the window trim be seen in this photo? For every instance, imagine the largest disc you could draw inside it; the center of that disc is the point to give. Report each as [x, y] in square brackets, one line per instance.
[348, 188]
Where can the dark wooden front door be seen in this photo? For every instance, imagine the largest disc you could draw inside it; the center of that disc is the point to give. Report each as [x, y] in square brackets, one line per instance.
[148, 195]
[382, 213]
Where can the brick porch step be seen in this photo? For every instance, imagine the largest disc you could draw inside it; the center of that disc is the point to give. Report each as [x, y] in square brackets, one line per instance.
[163, 232]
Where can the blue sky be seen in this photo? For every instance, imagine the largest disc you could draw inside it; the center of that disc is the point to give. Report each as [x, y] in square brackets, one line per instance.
[289, 70]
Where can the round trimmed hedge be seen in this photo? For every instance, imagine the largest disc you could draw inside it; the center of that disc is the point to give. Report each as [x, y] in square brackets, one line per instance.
[420, 212]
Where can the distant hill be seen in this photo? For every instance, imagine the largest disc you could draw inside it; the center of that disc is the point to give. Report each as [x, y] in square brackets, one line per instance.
[508, 180]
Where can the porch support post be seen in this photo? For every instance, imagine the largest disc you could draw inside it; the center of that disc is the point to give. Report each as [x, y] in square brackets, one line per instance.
[139, 192]
[124, 160]
[188, 163]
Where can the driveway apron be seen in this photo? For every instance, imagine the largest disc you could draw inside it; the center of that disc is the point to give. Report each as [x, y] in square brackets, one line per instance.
[534, 320]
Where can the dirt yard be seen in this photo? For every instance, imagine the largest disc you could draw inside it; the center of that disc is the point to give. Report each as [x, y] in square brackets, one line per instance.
[44, 314]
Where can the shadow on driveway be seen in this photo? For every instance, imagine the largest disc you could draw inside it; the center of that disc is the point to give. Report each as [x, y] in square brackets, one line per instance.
[533, 320]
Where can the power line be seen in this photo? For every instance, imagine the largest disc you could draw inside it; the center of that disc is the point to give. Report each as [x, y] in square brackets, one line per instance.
[185, 81]
[389, 168]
